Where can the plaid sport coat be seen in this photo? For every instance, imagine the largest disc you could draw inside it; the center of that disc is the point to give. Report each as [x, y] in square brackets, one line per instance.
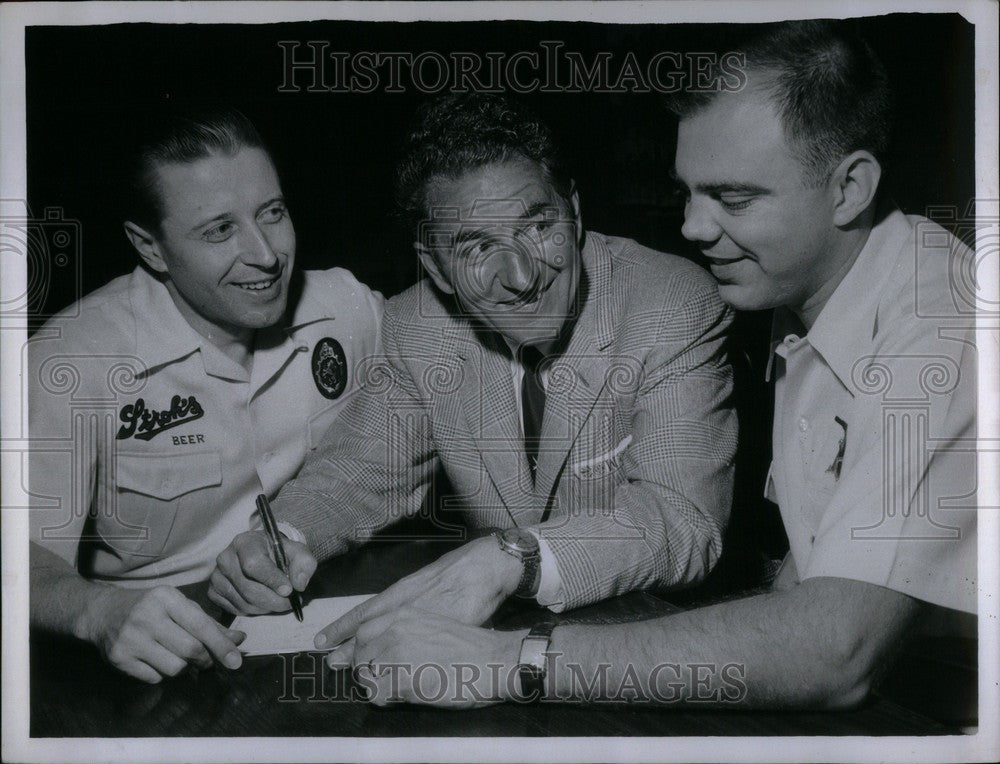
[635, 465]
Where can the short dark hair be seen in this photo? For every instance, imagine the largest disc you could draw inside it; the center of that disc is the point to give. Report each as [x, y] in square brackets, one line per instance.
[180, 138]
[829, 87]
[455, 133]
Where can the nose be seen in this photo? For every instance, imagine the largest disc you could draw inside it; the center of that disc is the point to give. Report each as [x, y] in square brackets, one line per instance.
[699, 224]
[519, 271]
[257, 249]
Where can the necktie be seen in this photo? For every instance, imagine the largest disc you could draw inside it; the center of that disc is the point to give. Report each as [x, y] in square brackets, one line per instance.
[532, 403]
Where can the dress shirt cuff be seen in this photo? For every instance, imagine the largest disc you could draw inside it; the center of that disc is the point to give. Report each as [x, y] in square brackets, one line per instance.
[550, 589]
[291, 532]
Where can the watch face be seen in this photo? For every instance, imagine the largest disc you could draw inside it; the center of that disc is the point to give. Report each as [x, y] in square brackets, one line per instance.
[521, 540]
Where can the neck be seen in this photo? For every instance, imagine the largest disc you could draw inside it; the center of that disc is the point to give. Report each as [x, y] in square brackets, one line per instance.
[235, 341]
[843, 252]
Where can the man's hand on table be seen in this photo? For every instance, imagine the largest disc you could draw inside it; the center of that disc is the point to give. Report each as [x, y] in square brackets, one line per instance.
[414, 656]
[246, 580]
[467, 585]
[153, 633]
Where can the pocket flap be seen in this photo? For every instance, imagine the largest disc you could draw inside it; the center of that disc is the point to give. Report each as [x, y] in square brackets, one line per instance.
[167, 476]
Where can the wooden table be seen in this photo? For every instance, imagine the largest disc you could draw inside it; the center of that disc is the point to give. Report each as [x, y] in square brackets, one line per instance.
[74, 694]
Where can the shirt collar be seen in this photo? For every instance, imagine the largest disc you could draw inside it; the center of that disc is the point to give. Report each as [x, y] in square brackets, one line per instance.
[309, 305]
[847, 324]
[163, 335]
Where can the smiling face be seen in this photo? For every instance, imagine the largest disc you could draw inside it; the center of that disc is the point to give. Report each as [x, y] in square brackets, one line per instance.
[507, 245]
[768, 233]
[225, 243]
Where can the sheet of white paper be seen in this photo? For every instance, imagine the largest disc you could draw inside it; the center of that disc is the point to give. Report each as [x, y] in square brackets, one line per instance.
[283, 633]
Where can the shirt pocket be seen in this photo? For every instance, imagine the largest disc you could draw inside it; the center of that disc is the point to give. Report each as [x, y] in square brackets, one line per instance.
[150, 489]
[595, 479]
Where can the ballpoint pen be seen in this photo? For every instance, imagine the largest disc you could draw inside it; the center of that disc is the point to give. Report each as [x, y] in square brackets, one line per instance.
[271, 528]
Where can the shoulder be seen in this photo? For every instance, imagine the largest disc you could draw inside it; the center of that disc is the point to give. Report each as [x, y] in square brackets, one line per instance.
[336, 287]
[649, 271]
[931, 284]
[80, 349]
[420, 304]
[645, 280]
[102, 321]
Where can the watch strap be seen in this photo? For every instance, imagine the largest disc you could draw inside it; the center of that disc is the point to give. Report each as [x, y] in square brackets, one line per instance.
[531, 665]
[530, 563]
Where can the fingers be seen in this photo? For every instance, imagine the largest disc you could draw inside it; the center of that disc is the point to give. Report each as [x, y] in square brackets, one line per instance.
[301, 564]
[142, 671]
[255, 561]
[207, 633]
[366, 633]
[139, 654]
[180, 643]
[345, 626]
[157, 633]
[248, 579]
[222, 592]
[343, 655]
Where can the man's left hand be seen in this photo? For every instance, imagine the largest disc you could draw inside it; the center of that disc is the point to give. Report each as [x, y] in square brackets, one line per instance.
[413, 656]
[467, 585]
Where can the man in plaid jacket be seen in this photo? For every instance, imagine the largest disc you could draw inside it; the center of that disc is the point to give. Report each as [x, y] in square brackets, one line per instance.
[573, 386]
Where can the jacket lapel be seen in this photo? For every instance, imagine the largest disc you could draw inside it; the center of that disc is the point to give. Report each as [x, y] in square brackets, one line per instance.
[493, 418]
[579, 376]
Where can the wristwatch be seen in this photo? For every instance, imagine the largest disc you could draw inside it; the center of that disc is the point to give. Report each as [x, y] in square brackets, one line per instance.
[531, 661]
[523, 545]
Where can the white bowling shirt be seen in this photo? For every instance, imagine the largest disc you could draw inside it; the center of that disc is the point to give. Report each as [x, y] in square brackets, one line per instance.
[875, 420]
[149, 444]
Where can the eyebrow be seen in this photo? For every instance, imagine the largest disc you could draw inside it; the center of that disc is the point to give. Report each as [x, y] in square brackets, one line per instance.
[225, 215]
[721, 186]
[467, 234]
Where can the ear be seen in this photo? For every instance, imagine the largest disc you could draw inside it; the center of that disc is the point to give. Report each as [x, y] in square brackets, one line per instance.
[146, 245]
[856, 180]
[433, 268]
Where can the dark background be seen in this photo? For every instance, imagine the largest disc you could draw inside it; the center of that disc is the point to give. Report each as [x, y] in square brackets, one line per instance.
[91, 90]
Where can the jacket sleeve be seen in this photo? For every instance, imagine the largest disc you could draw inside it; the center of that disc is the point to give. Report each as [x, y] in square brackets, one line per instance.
[661, 511]
[373, 466]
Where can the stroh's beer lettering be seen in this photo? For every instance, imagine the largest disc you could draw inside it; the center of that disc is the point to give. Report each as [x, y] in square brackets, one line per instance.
[145, 424]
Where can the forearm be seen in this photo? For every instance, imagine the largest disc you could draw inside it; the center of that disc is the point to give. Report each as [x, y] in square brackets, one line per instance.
[648, 537]
[794, 649]
[372, 469]
[336, 512]
[62, 601]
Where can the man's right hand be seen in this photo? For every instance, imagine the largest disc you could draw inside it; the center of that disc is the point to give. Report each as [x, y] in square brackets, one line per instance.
[154, 633]
[246, 579]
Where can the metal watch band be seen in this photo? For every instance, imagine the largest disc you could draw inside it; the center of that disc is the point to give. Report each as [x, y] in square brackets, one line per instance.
[531, 662]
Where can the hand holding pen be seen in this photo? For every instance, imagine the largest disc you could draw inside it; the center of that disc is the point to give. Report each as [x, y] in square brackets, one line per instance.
[260, 570]
[278, 549]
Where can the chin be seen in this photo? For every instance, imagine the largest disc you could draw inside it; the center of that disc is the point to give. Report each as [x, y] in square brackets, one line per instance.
[262, 319]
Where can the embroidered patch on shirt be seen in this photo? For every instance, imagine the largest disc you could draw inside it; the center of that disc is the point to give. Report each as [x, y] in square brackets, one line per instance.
[145, 424]
[329, 368]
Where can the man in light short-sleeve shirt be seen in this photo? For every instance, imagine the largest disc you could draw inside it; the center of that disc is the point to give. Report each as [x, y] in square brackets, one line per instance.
[875, 422]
